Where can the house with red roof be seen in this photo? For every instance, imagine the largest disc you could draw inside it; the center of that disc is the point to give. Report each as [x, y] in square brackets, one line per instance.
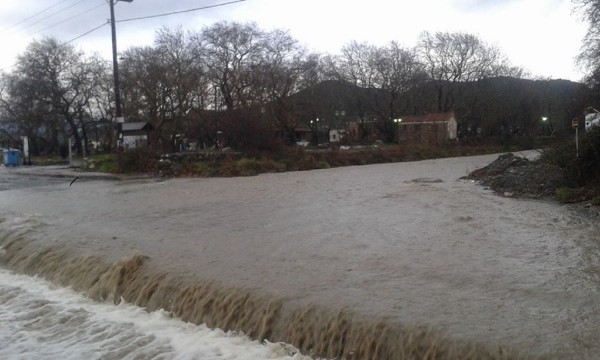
[434, 128]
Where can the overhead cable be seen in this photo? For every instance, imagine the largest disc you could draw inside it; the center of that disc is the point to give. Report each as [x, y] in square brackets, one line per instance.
[51, 15]
[86, 33]
[34, 15]
[67, 20]
[181, 12]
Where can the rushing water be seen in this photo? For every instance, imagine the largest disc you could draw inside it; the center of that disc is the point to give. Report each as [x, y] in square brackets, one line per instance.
[41, 321]
[278, 256]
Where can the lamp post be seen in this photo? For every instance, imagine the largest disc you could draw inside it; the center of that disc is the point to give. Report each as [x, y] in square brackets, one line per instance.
[549, 129]
[315, 125]
[397, 122]
[118, 113]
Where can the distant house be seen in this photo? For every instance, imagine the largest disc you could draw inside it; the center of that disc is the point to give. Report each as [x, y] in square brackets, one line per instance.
[336, 135]
[135, 134]
[434, 128]
[361, 131]
[301, 133]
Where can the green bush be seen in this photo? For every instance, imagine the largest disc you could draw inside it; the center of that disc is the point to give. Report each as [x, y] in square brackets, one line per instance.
[101, 162]
[566, 195]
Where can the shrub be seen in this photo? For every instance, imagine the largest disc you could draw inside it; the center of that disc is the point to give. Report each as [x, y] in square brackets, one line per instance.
[102, 163]
[570, 195]
[566, 195]
[140, 160]
[579, 170]
[249, 167]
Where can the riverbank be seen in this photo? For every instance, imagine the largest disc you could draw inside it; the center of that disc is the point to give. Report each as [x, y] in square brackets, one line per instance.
[230, 164]
[515, 176]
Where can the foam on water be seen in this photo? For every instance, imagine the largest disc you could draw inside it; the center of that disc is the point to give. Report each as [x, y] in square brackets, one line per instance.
[41, 321]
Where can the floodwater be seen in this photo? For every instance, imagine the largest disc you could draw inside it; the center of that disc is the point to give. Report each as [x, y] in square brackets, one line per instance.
[41, 321]
[406, 242]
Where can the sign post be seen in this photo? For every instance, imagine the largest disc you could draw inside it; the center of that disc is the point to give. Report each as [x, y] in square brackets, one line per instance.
[575, 125]
[26, 157]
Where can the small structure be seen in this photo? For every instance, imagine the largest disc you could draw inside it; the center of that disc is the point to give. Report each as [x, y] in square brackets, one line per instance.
[299, 134]
[12, 157]
[135, 134]
[335, 135]
[433, 128]
[592, 120]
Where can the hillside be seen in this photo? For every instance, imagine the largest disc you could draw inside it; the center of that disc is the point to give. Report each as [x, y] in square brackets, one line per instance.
[499, 106]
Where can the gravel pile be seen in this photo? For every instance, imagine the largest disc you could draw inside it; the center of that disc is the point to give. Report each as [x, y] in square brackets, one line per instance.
[513, 175]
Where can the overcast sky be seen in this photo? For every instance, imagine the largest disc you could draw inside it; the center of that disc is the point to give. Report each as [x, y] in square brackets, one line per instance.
[543, 36]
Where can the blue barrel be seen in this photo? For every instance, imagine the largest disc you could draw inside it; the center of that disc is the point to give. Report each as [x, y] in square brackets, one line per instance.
[12, 157]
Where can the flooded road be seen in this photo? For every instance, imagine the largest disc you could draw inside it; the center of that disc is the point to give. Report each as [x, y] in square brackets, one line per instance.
[408, 241]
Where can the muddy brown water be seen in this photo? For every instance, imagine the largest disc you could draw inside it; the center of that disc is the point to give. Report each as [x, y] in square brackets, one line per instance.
[405, 243]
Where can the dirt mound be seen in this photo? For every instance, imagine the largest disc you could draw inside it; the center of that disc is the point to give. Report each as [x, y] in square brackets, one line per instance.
[518, 176]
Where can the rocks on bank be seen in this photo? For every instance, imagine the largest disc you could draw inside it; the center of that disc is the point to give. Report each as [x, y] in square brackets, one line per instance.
[512, 175]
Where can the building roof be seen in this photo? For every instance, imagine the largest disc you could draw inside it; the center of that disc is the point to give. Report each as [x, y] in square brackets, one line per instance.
[429, 118]
[137, 126]
[302, 128]
[299, 128]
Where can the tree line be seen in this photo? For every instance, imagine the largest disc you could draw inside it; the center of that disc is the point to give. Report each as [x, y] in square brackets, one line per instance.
[233, 82]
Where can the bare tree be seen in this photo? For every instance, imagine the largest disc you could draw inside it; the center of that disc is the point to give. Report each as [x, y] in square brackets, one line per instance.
[397, 71]
[284, 67]
[183, 78]
[355, 64]
[164, 83]
[253, 72]
[55, 82]
[24, 114]
[230, 52]
[142, 89]
[589, 56]
[384, 73]
[101, 107]
[458, 57]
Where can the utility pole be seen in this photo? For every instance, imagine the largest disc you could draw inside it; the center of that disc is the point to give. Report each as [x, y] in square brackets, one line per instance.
[118, 112]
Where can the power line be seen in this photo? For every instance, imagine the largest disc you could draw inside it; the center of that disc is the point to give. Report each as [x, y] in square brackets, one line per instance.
[180, 12]
[85, 33]
[67, 20]
[34, 15]
[125, 20]
[51, 15]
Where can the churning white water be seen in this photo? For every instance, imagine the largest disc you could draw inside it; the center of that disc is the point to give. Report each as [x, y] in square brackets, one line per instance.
[41, 321]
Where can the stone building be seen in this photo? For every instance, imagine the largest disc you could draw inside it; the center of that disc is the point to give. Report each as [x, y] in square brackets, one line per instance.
[434, 128]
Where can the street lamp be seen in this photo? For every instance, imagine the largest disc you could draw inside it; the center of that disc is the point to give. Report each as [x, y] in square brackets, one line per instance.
[549, 128]
[315, 125]
[397, 122]
[118, 113]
